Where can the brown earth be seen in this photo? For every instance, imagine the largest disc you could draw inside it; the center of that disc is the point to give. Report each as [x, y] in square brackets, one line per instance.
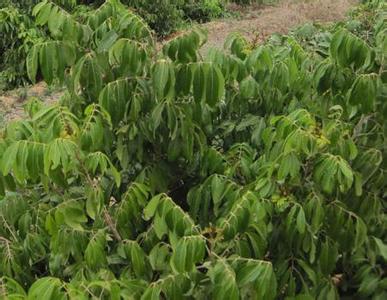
[12, 102]
[259, 22]
[255, 22]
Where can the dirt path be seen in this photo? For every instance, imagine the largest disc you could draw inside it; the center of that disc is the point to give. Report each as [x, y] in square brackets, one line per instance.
[260, 22]
[255, 22]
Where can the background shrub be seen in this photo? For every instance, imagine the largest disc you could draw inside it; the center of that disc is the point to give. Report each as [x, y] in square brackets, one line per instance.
[18, 31]
[17, 34]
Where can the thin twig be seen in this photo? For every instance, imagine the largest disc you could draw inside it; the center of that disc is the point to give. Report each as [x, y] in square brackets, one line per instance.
[112, 226]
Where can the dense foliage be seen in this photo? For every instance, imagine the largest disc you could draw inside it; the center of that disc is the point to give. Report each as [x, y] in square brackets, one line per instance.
[164, 16]
[18, 31]
[17, 34]
[250, 173]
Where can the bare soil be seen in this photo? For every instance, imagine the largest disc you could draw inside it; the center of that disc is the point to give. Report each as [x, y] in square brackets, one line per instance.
[259, 22]
[12, 102]
[254, 22]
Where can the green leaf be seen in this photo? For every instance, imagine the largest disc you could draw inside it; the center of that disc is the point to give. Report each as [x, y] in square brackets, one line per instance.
[126, 55]
[224, 283]
[249, 88]
[301, 222]
[363, 92]
[152, 293]
[328, 257]
[309, 271]
[163, 79]
[382, 248]
[95, 255]
[12, 289]
[114, 98]
[187, 253]
[250, 273]
[208, 84]
[361, 233]
[107, 41]
[32, 63]
[150, 209]
[138, 260]
[46, 288]
[72, 214]
[94, 202]
[158, 257]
